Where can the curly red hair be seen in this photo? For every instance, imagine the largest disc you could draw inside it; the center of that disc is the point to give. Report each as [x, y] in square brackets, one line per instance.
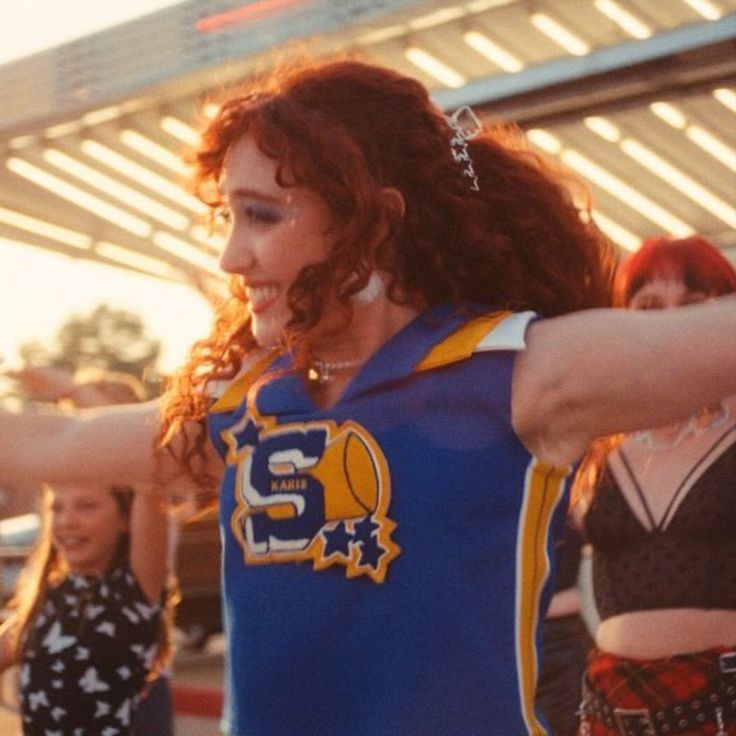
[349, 130]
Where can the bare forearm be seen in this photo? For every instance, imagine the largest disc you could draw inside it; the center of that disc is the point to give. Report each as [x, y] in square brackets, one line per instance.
[22, 439]
[149, 535]
[108, 445]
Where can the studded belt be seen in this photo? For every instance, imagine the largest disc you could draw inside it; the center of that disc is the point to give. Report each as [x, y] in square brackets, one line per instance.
[717, 707]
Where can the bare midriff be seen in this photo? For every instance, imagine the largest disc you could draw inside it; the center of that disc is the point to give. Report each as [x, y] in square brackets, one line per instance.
[667, 632]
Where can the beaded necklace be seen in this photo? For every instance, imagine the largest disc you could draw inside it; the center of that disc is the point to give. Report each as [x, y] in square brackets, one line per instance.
[700, 422]
[322, 371]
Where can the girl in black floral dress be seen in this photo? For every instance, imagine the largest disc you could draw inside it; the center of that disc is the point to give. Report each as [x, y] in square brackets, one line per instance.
[89, 621]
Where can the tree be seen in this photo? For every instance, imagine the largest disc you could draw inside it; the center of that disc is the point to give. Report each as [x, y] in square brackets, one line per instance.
[106, 338]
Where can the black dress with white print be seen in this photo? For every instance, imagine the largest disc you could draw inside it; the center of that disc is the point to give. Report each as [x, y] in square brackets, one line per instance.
[89, 650]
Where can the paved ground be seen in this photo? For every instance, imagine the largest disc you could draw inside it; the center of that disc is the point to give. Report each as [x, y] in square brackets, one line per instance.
[197, 677]
[192, 671]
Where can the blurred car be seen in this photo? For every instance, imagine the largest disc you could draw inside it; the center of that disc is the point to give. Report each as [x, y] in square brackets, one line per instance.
[199, 613]
[17, 537]
[197, 566]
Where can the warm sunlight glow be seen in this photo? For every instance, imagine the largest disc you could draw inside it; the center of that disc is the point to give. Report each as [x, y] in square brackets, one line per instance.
[40, 288]
[35, 25]
[175, 314]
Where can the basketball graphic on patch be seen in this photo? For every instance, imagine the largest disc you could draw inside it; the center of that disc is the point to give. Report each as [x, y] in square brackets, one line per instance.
[349, 475]
[361, 472]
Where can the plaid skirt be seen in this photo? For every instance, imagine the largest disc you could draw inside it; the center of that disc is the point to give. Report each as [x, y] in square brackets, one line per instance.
[684, 695]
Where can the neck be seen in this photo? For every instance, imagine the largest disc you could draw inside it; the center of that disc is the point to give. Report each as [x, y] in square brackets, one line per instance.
[338, 356]
[370, 327]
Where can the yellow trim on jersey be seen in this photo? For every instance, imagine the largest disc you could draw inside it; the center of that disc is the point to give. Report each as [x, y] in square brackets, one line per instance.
[461, 344]
[457, 346]
[237, 390]
[544, 487]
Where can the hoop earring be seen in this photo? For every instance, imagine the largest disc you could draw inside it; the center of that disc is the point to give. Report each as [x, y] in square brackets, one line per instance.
[371, 291]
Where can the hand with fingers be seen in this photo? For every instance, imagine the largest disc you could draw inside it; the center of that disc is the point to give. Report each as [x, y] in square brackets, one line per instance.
[43, 383]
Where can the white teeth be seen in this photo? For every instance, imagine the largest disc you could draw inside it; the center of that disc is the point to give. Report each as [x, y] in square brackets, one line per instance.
[259, 294]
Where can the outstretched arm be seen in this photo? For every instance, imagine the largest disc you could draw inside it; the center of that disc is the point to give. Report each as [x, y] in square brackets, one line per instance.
[108, 446]
[594, 373]
[44, 383]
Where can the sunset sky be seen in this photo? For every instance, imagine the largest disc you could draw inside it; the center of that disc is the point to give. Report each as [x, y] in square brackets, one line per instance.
[40, 289]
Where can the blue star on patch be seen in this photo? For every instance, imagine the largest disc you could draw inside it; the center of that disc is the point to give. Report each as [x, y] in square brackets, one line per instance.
[337, 540]
[371, 552]
[364, 529]
[248, 435]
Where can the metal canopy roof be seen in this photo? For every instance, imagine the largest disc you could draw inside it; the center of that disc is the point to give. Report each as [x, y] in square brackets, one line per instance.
[642, 104]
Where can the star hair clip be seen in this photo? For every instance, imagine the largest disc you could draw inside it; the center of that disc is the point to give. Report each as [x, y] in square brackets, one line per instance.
[466, 126]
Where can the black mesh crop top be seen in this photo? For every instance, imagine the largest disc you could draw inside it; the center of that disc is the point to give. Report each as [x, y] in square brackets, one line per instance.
[689, 564]
[567, 554]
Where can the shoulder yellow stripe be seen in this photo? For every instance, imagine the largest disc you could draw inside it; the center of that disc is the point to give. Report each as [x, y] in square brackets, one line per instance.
[462, 343]
[237, 390]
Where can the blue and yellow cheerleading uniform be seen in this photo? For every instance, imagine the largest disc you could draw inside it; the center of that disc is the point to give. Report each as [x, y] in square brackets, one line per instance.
[386, 561]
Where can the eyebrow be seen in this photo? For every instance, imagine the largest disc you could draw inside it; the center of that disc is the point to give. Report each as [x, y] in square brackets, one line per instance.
[245, 193]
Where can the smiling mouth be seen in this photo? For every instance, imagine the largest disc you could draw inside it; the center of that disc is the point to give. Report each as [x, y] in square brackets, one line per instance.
[71, 545]
[261, 297]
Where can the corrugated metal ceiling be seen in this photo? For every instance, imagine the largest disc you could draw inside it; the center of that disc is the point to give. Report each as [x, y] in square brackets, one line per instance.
[646, 112]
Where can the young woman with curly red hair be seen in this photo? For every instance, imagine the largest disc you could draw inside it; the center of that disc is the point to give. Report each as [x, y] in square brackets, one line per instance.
[385, 408]
[660, 515]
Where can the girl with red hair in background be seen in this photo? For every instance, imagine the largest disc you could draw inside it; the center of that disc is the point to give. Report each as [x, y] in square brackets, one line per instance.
[662, 520]
[391, 423]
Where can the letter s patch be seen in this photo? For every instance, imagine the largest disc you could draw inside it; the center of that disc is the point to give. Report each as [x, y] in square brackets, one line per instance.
[311, 491]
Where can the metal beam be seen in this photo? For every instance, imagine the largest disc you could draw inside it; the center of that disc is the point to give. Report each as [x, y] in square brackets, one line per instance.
[679, 60]
[144, 55]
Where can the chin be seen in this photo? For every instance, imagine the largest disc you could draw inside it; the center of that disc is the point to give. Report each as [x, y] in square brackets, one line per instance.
[268, 335]
[82, 564]
[81, 568]
[268, 341]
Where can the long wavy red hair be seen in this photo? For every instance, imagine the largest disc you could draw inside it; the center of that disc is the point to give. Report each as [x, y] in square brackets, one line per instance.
[347, 130]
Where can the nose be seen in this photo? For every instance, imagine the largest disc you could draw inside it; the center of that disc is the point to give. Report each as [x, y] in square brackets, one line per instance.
[238, 255]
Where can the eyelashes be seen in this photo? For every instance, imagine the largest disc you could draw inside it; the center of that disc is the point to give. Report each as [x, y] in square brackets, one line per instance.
[259, 215]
